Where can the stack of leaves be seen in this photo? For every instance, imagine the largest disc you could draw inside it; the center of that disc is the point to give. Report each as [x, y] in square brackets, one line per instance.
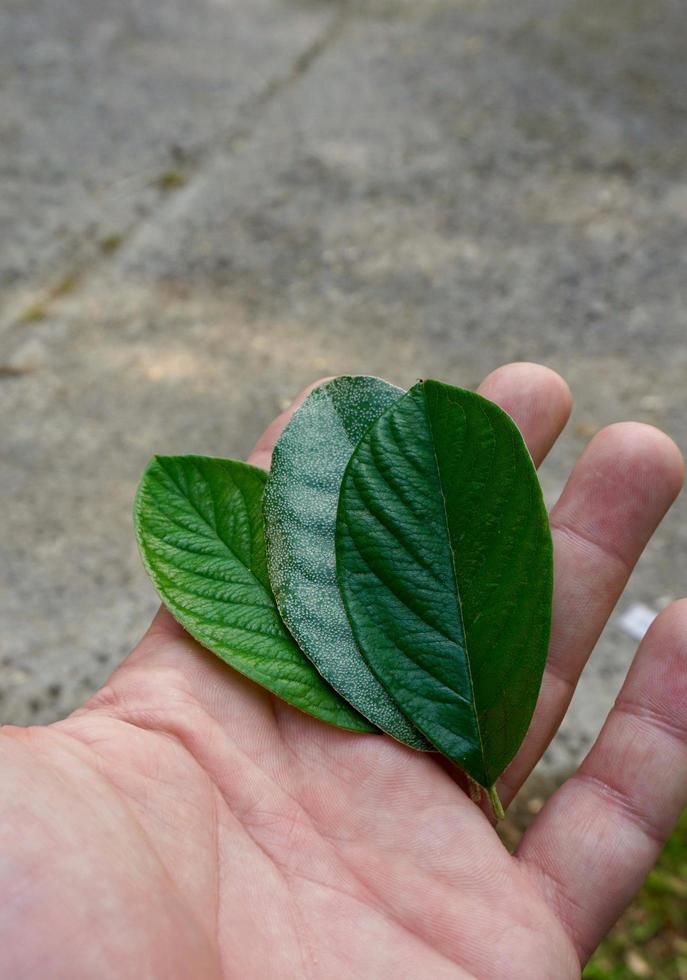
[392, 573]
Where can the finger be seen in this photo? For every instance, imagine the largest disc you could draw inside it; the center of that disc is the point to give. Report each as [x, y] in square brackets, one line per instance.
[601, 832]
[262, 451]
[537, 399]
[617, 494]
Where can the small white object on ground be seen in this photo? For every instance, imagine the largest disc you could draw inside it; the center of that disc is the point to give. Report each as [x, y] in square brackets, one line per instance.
[636, 620]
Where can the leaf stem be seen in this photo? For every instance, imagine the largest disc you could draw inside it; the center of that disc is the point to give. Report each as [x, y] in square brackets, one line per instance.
[475, 790]
[496, 805]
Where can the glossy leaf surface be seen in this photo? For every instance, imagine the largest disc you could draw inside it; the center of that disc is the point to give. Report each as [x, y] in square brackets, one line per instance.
[200, 531]
[301, 499]
[445, 566]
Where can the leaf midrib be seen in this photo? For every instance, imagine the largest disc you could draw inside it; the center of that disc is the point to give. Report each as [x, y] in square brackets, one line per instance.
[455, 577]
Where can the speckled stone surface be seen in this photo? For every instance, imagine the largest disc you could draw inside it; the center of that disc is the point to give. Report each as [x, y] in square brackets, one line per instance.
[204, 206]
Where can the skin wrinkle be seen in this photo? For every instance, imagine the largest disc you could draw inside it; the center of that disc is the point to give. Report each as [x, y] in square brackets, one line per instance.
[554, 671]
[643, 713]
[368, 897]
[380, 904]
[376, 901]
[587, 542]
[178, 737]
[295, 914]
[218, 875]
[621, 801]
[559, 895]
[241, 825]
[134, 821]
[450, 887]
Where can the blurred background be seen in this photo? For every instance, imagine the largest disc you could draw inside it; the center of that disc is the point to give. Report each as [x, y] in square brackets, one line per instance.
[204, 205]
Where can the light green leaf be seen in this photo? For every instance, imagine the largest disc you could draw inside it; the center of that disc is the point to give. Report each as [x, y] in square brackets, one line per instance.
[200, 532]
[445, 566]
[301, 499]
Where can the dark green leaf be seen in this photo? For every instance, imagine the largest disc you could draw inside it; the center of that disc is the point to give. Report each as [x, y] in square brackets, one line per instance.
[444, 562]
[200, 532]
[301, 498]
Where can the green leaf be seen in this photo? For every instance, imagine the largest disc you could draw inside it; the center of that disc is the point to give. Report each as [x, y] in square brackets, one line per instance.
[445, 565]
[200, 532]
[301, 498]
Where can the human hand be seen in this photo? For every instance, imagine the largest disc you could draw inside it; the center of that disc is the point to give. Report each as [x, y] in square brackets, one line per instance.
[186, 824]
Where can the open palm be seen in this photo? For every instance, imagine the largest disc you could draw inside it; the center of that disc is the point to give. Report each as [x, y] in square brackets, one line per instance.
[186, 824]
